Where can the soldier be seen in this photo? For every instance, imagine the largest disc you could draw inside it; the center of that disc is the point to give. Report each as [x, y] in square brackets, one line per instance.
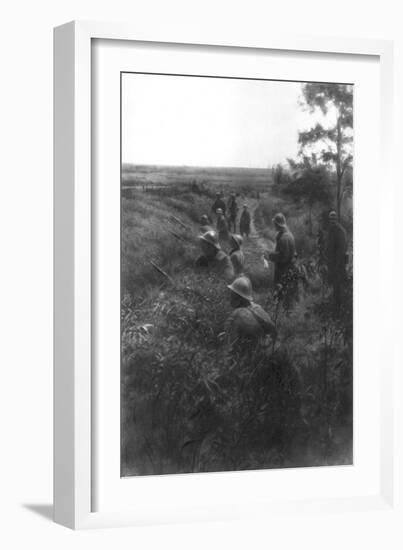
[244, 223]
[205, 224]
[284, 255]
[213, 257]
[285, 271]
[249, 322]
[218, 203]
[336, 257]
[232, 212]
[236, 255]
[222, 226]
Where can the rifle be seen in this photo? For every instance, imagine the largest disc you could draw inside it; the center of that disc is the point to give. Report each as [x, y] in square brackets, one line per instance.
[176, 235]
[188, 289]
[161, 271]
[180, 222]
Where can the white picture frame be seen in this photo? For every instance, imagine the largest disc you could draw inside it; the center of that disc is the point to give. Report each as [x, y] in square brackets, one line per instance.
[74, 466]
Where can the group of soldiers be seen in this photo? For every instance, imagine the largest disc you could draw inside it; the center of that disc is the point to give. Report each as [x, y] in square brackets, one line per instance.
[227, 216]
[249, 320]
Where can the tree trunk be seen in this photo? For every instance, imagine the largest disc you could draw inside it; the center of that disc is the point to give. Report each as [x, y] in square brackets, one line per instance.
[339, 173]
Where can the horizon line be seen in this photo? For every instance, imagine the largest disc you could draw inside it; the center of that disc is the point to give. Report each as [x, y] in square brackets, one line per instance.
[199, 166]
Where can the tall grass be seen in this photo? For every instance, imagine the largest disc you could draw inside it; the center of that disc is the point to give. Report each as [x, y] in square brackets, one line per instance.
[192, 403]
[149, 234]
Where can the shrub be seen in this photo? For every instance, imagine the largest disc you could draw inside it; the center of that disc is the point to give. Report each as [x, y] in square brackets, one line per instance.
[281, 175]
[191, 403]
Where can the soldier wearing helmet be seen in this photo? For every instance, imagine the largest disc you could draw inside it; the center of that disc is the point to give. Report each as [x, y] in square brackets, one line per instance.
[205, 224]
[336, 256]
[222, 226]
[244, 222]
[248, 322]
[218, 203]
[213, 257]
[236, 255]
[284, 255]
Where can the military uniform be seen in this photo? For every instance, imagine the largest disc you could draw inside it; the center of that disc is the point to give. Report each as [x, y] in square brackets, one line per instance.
[206, 228]
[284, 255]
[244, 223]
[249, 323]
[205, 224]
[218, 203]
[236, 254]
[222, 228]
[233, 211]
[286, 274]
[238, 261]
[219, 264]
[336, 258]
[336, 250]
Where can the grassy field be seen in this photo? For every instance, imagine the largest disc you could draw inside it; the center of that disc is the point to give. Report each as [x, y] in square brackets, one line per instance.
[188, 403]
[245, 180]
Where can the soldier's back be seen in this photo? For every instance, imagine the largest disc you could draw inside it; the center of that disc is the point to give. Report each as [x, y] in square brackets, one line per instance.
[337, 234]
[336, 254]
[222, 229]
[206, 229]
[286, 246]
[245, 217]
[238, 261]
[250, 323]
[223, 266]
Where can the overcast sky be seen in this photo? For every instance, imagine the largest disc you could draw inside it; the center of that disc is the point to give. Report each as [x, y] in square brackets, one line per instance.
[196, 121]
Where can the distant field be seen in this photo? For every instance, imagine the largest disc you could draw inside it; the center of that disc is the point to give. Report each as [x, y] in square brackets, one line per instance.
[239, 178]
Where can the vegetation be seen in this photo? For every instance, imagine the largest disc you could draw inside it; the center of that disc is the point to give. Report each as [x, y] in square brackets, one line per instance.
[311, 184]
[190, 402]
[334, 137]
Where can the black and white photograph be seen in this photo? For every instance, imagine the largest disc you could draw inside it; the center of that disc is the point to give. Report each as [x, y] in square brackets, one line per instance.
[236, 258]
[206, 351]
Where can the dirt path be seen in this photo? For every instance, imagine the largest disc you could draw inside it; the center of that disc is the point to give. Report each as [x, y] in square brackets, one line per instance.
[255, 246]
[255, 239]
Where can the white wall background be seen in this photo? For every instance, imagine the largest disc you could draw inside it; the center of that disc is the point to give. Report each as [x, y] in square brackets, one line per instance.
[26, 265]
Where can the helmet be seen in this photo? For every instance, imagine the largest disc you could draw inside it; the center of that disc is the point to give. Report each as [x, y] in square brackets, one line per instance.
[219, 211]
[243, 287]
[332, 215]
[211, 238]
[245, 205]
[279, 219]
[204, 219]
[237, 239]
